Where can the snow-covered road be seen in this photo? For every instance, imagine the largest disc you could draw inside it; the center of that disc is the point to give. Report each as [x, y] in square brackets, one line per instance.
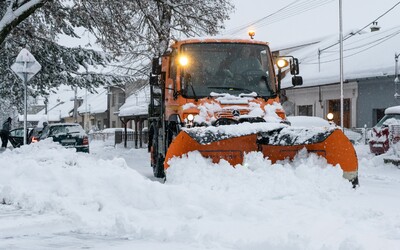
[55, 198]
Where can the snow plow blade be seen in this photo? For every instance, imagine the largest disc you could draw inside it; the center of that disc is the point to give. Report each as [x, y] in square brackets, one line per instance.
[276, 144]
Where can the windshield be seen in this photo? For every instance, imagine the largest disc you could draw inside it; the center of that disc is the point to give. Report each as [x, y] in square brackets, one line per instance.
[389, 119]
[58, 130]
[232, 68]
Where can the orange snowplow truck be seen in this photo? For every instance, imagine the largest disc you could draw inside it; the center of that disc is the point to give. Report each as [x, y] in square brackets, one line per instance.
[220, 97]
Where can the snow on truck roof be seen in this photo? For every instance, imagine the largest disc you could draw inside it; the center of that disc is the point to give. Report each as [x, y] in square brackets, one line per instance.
[219, 40]
[392, 110]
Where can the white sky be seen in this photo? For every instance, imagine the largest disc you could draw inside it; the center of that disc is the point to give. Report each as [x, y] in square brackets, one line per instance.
[311, 24]
[287, 27]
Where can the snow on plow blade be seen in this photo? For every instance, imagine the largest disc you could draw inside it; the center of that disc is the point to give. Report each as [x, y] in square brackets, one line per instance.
[275, 143]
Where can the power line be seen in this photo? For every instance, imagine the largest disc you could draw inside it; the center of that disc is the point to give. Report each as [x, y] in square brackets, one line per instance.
[293, 13]
[370, 46]
[292, 9]
[235, 30]
[353, 33]
[285, 12]
[375, 34]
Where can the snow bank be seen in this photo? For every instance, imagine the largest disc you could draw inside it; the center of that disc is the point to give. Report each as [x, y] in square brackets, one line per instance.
[304, 204]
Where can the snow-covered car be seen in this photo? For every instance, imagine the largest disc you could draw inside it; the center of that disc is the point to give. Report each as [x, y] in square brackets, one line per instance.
[379, 141]
[70, 135]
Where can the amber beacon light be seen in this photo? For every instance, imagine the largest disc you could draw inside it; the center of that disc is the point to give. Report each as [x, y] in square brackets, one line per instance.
[252, 33]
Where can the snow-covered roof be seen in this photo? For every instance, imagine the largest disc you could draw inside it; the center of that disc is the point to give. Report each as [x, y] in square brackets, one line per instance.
[61, 104]
[369, 54]
[94, 103]
[137, 103]
[38, 117]
[392, 110]
[60, 110]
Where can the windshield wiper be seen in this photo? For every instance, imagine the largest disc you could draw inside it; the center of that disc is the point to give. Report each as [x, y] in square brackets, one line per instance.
[229, 88]
[189, 81]
[245, 94]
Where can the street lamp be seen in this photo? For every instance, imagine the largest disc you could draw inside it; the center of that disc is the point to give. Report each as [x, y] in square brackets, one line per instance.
[329, 116]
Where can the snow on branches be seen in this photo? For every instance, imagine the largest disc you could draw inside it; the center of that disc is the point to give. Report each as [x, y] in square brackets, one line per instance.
[129, 31]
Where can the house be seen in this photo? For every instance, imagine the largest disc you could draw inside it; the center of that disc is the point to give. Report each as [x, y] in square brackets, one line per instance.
[94, 110]
[368, 79]
[70, 105]
[116, 98]
[57, 107]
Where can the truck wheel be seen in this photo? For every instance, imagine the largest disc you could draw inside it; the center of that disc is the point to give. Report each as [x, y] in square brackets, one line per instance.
[157, 160]
[355, 182]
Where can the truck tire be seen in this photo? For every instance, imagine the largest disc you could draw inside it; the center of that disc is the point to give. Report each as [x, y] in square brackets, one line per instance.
[157, 160]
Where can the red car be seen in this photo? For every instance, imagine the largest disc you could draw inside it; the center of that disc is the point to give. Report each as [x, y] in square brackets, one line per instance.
[379, 141]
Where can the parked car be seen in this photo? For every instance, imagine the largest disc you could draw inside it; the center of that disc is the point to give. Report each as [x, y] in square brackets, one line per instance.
[16, 137]
[70, 135]
[34, 134]
[379, 141]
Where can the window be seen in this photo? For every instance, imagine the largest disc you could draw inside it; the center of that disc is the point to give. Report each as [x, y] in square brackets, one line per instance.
[377, 115]
[114, 124]
[113, 100]
[305, 110]
[121, 99]
[173, 65]
[105, 123]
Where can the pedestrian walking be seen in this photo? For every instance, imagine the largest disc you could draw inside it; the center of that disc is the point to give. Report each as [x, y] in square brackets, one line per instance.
[5, 132]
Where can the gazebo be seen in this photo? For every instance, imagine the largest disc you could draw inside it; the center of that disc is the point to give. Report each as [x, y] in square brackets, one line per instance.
[135, 109]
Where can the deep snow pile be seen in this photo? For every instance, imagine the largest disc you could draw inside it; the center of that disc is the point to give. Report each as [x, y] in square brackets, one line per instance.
[304, 204]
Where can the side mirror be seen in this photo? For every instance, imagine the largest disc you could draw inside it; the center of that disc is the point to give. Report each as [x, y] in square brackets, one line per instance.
[294, 66]
[156, 66]
[297, 81]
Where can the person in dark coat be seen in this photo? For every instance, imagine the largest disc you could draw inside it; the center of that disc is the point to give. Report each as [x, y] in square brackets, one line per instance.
[5, 132]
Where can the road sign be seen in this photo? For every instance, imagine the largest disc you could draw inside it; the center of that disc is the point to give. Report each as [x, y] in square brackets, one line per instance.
[25, 65]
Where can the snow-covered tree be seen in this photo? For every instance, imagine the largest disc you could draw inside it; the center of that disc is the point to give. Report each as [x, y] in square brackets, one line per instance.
[135, 30]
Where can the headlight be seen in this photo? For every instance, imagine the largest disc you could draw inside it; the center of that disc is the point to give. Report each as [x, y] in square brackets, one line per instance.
[281, 63]
[189, 120]
[183, 60]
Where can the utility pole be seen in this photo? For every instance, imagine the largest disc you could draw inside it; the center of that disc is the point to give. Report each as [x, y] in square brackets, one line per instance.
[75, 105]
[396, 77]
[341, 61]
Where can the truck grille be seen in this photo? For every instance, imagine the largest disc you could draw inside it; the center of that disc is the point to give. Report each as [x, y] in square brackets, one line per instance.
[229, 113]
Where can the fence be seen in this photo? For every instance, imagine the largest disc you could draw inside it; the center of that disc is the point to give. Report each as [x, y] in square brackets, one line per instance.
[117, 137]
[358, 135]
[394, 134]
